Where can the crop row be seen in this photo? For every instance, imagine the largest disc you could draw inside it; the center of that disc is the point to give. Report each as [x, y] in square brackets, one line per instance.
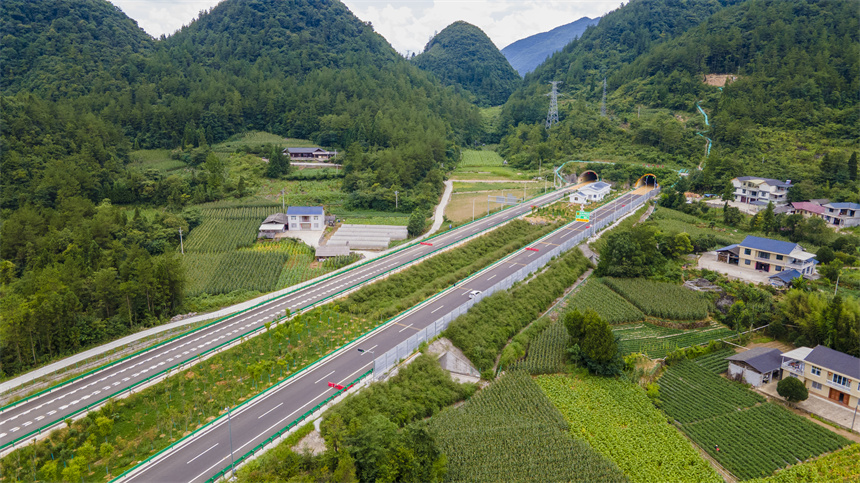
[223, 234]
[511, 432]
[660, 299]
[619, 421]
[691, 393]
[547, 354]
[217, 273]
[755, 442]
[715, 361]
[611, 307]
[842, 465]
[481, 158]
[658, 347]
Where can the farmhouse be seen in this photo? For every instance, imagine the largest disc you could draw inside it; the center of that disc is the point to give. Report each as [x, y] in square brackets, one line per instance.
[590, 193]
[826, 373]
[306, 217]
[768, 255]
[757, 366]
[309, 154]
[760, 191]
[808, 209]
[273, 225]
[842, 214]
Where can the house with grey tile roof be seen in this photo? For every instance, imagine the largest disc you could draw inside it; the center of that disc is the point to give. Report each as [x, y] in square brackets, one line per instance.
[826, 373]
[756, 366]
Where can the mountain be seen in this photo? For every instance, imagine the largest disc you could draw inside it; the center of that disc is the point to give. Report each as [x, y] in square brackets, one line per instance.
[64, 48]
[464, 56]
[528, 53]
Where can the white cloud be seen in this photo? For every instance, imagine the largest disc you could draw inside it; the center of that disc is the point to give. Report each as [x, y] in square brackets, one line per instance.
[406, 24]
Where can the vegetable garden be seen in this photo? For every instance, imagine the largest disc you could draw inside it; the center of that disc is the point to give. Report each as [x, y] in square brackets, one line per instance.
[660, 299]
[619, 421]
[511, 432]
[842, 465]
[610, 306]
[656, 341]
[754, 437]
[547, 353]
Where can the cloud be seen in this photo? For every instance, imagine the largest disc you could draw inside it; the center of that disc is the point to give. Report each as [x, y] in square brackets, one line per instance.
[406, 24]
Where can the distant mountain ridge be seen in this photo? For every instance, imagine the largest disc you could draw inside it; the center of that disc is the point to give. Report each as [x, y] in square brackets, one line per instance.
[462, 55]
[528, 53]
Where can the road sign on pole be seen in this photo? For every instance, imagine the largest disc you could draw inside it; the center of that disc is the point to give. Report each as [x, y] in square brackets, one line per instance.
[583, 215]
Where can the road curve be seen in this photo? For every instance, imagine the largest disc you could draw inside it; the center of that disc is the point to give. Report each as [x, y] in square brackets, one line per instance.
[21, 422]
[199, 457]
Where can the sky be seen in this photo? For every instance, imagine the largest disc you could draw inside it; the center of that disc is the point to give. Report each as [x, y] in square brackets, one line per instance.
[406, 24]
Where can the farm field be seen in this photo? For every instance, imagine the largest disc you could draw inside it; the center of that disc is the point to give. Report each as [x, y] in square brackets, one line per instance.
[715, 361]
[157, 159]
[511, 432]
[656, 341]
[487, 165]
[842, 465]
[619, 421]
[755, 437]
[547, 353]
[610, 306]
[460, 208]
[660, 299]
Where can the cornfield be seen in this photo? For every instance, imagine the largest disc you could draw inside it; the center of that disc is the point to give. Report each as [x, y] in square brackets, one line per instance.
[511, 432]
[659, 299]
[547, 354]
[691, 393]
[610, 306]
[657, 341]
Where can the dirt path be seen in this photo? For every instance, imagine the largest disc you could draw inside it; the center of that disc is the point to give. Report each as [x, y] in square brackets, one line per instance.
[439, 214]
[726, 474]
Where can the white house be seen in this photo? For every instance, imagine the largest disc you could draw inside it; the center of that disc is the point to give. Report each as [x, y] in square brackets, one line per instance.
[842, 214]
[760, 191]
[590, 193]
[306, 217]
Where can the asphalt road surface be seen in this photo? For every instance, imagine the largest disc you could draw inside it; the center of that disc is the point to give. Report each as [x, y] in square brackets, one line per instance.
[200, 457]
[21, 422]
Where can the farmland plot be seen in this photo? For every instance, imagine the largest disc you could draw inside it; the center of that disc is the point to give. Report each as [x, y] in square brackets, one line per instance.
[660, 299]
[610, 306]
[547, 354]
[511, 432]
[656, 341]
[842, 465]
[692, 393]
[619, 421]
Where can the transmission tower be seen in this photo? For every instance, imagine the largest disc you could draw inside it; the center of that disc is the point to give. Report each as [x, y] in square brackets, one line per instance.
[552, 115]
[603, 102]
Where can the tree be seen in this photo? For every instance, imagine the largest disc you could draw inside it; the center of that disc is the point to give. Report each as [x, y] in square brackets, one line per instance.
[853, 165]
[825, 255]
[417, 222]
[731, 216]
[593, 343]
[792, 389]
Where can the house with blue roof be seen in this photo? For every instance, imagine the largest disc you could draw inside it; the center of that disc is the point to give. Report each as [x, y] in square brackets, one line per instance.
[785, 260]
[310, 218]
[842, 214]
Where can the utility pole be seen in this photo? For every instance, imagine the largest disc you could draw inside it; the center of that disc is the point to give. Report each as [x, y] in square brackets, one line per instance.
[552, 115]
[603, 102]
[181, 245]
[396, 200]
[283, 200]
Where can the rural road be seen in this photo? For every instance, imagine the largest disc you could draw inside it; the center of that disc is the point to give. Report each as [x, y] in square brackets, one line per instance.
[22, 421]
[201, 456]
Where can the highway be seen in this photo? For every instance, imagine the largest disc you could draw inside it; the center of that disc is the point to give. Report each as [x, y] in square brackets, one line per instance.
[22, 421]
[205, 454]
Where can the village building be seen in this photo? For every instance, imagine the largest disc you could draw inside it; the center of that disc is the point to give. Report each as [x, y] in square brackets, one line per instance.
[770, 256]
[757, 366]
[825, 372]
[325, 252]
[309, 154]
[842, 214]
[306, 218]
[759, 192]
[273, 225]
[809, 209]
[590, 193]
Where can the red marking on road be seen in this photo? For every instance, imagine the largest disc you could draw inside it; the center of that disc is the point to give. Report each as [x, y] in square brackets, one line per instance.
[428, 244]
[532, 249]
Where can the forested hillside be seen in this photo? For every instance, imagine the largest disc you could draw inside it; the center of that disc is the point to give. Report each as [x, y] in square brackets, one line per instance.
[463, 55]
[792, 112]
[528, 53]
[87, 237]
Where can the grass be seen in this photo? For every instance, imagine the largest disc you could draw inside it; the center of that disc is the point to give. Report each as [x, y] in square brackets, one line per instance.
[460, 208]
[468, 187]
[257, 138]
[486, 165]
[157, 159]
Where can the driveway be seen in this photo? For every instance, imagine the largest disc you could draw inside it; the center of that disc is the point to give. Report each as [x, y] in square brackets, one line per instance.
[820, 406]
[708, 260]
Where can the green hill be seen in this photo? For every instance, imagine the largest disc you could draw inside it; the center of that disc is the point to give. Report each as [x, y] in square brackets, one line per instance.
[464, 56]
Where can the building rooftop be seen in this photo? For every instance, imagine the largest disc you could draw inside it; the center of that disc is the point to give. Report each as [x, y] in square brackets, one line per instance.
[762, 359]
[808, 206]
[843, 206]
[768, 181]
[787, 275]
[305, 210]
[798, 354]
[272, 226]
[835, 361]
[332, 251]
[768, 245]
[277, 218]
[305, 150]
